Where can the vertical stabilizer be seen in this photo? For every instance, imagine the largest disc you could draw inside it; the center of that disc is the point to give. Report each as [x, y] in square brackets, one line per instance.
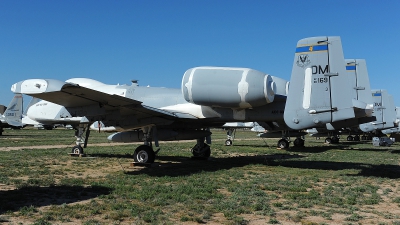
[320, 92]
[384, 111]
[13, 113]
[361, 89]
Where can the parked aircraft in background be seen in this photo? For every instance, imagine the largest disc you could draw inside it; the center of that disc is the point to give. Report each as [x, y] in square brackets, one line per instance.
[395, 129]
[385, 113]
[13, 114]
[231, 130]
[209, 97]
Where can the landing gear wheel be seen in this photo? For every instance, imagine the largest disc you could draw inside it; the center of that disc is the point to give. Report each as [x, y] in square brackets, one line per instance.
[328, 140]
[357, 138]
[298, 142]
[283, 143]
[144, 154]
[228, 142]
[203, 151]
[77, 150]
[350, 138]
[363, 137]
[335, 140]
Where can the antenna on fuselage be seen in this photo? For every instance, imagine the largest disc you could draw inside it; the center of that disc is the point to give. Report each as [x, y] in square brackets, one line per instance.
[135, 82]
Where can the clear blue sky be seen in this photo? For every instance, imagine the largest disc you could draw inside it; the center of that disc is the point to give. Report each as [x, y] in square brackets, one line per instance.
[155, 42]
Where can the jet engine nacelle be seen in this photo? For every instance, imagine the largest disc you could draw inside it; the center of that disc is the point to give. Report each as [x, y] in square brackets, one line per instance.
[162, 135]
[228, 87]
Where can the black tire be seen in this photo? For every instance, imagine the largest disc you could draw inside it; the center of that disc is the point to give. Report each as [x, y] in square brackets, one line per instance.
[77, 150]
[201, 152]
[335, 140]
[283, 143]
[350, 138]
[228, 142]
[144, 154]
[298, 142]
[328, 140]
[357, 138]
[363, 137]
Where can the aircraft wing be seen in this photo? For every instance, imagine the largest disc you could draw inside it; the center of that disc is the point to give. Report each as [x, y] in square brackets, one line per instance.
[68, 94]
[73, 95]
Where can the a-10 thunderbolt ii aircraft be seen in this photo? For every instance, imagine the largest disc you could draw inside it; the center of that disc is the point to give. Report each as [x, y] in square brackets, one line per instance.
[150, 114]
[209, 97]
[13, 114]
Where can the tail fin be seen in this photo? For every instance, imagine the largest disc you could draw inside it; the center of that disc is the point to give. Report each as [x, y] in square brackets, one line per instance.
[320, 91]
[384, 111]
[361, 92]
[361, 85]
[13, 113]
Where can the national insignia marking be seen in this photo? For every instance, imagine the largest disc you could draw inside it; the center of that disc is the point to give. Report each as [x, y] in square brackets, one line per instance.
[303, 60]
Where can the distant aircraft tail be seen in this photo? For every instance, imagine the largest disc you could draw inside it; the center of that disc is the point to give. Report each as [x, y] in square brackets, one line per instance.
[13, 113]
[357, 69]
[320, 91]
[384, 111]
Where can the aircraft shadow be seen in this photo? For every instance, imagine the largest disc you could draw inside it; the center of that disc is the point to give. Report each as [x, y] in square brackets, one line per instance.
[250, 145]
[340, 146]
[174, 166]
[14, 200]
[366, 170]
[108, 155]
[181, 166]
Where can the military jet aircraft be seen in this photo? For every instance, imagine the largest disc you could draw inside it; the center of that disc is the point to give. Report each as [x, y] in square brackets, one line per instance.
[13, 114]
[209, 97]
[156, 113]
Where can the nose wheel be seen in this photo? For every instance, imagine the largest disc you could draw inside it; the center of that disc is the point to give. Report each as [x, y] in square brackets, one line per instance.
[228, 142]
[77, 150]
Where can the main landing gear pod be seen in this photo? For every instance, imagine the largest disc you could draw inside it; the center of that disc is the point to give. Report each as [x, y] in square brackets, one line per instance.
[145, 153]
